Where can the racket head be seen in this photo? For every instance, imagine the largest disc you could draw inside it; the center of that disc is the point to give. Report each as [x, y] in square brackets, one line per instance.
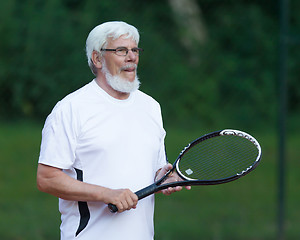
[218, 157]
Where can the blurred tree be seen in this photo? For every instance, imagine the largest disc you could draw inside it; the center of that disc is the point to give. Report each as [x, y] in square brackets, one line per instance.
[235, 43]
[192, 32]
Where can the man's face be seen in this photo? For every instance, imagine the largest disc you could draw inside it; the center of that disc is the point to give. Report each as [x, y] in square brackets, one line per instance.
[115, 63]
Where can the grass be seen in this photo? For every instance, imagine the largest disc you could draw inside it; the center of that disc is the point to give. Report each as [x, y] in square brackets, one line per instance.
[244, 209]
[25, 212]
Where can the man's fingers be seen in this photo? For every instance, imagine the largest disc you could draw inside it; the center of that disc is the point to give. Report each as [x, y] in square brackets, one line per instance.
[171, 190]
[130, 203]
[164, 170]
[130, 200]
[124, 199]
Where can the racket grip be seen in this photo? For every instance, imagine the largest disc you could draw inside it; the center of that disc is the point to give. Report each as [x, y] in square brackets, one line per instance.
[147, 191]
[141, 194]
[113, 208]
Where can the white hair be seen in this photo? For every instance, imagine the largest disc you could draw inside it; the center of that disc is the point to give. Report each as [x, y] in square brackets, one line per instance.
[98, 37]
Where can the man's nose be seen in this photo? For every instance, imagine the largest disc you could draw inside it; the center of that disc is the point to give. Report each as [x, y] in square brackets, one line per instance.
[131, 56]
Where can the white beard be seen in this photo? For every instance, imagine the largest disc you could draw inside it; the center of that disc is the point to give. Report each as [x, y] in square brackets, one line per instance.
[118, 83]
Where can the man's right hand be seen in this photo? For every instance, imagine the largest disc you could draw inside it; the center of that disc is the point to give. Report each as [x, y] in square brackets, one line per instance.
[124, 199]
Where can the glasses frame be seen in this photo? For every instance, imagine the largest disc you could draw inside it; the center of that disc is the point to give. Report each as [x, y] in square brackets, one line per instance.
[115, 50]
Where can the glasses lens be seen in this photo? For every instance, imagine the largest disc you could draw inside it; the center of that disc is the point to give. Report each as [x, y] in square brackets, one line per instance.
[121, 51]
[136, 51]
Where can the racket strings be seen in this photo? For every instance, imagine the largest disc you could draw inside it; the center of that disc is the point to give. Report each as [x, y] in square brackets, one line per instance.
[218, 158]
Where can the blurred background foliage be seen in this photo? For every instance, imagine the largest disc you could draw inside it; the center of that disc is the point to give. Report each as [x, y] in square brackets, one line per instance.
[228, 77]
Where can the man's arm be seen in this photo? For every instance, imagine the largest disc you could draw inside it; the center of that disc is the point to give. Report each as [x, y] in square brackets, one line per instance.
[54, 181]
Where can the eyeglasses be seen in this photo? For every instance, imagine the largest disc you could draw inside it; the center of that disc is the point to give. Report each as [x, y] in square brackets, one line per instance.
[123, 51]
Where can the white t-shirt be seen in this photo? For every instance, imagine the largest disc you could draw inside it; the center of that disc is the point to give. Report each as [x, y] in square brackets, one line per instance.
[113, 143]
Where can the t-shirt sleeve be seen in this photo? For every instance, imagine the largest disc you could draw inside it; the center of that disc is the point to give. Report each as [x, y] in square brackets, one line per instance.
[59, 138]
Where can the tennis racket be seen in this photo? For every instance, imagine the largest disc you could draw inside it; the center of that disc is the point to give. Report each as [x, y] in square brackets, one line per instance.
[215, 158]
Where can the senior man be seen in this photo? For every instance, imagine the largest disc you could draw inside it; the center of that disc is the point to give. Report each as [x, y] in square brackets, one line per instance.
[103, 142]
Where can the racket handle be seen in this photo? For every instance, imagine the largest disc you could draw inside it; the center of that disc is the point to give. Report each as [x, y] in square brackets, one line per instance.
[141, 194]
[147, 191]
[113, 208]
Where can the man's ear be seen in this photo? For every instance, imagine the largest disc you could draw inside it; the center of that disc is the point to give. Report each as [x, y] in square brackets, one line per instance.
[96, 58]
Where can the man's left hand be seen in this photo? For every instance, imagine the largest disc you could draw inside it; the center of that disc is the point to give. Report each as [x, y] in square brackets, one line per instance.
[173, 177]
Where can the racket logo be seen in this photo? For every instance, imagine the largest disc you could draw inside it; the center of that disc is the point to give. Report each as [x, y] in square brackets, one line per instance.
[240, 134]
[189, 171]
[228, 132]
